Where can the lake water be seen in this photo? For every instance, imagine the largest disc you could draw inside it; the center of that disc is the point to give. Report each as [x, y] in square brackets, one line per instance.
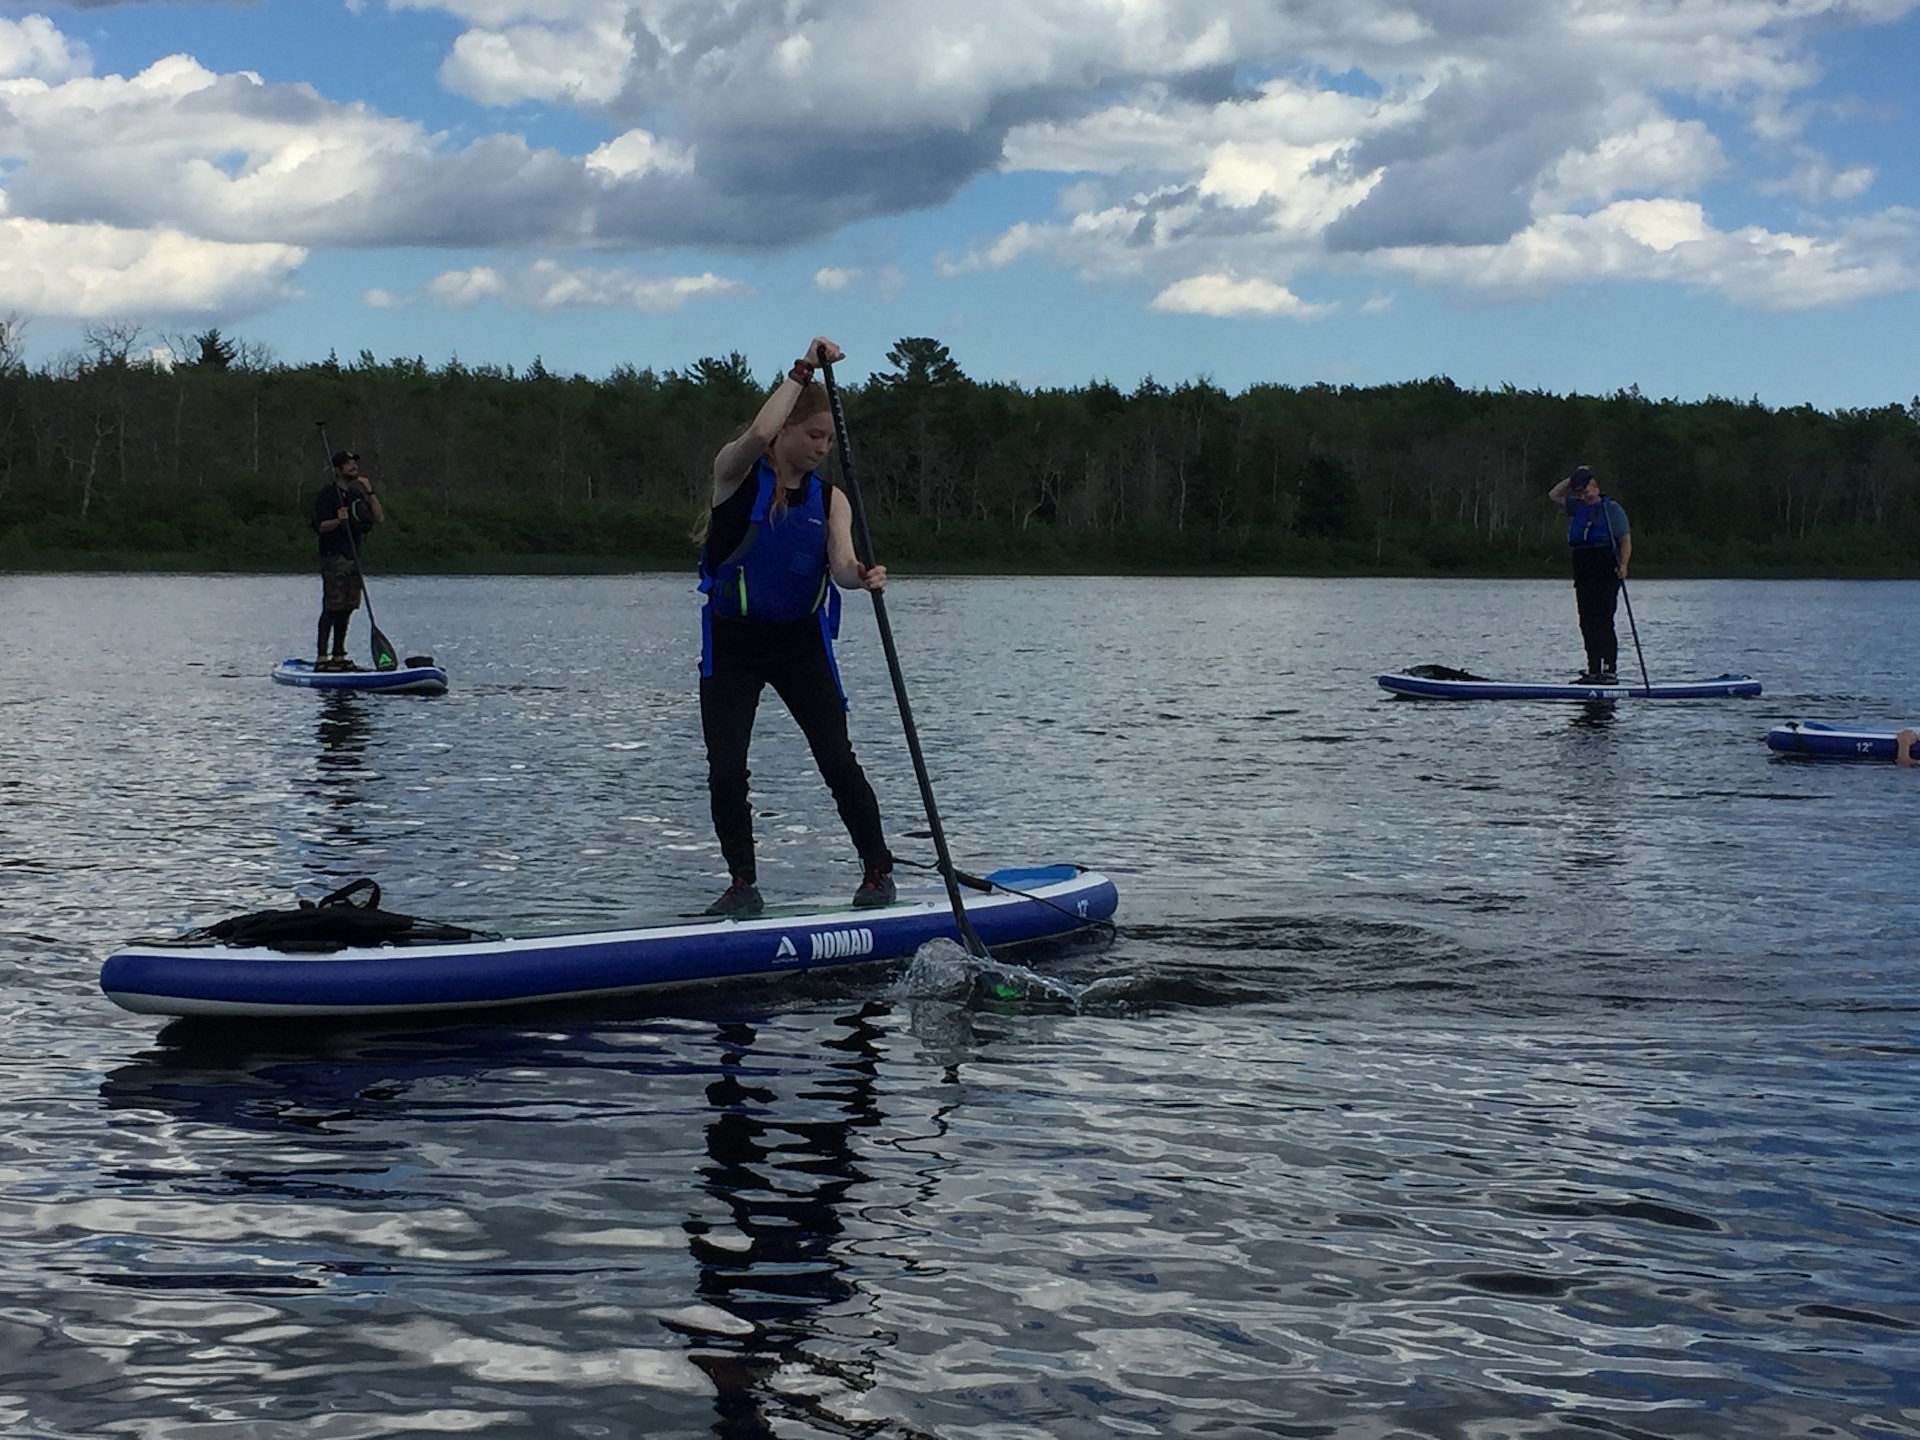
[1458, 1071]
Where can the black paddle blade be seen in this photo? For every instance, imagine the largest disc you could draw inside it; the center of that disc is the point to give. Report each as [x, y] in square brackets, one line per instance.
[384, 656]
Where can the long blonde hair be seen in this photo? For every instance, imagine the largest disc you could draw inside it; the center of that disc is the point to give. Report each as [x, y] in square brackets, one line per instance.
[811, 401]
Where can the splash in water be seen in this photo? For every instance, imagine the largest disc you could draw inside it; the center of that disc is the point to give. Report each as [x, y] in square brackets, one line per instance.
[943, 970]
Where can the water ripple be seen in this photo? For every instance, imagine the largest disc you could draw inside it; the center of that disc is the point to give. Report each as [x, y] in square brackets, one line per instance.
[1477, 1074]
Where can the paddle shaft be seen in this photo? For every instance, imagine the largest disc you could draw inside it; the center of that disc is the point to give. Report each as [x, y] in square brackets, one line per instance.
[1632, 629]
[863, 549]
[382, 646]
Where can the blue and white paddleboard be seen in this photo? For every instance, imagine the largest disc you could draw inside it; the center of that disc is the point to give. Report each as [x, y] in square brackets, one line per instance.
[409, 679]
[1435, 682]
[1832, 742]
[188, 978]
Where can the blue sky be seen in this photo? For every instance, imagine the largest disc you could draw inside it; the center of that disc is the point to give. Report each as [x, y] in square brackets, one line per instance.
[1693, 196]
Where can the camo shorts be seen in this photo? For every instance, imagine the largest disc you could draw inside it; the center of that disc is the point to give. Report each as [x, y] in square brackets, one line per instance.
[339, 583]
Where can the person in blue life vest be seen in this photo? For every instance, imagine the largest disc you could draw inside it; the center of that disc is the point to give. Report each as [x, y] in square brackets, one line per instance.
[1598, 537]
[777, 540]
[344, 511]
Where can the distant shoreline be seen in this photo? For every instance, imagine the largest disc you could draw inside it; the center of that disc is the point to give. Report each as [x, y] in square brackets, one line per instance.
[576, 565]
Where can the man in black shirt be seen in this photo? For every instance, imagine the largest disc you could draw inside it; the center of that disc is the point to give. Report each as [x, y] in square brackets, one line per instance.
[343, 512]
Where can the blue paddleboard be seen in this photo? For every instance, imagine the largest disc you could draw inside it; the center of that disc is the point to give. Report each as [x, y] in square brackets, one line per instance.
[1832, 742]
[475, 971]
[410, 679]
[1437, 682]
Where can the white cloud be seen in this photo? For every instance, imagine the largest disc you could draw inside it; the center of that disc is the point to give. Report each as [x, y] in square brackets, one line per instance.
[89, 271]
[1671, 240]
[888, 282]
[378, 299]
[1658, 155]
[1284, 151]
[1020, 239]
[582, 64]
[1193, 139]
[1814, 179]
[459, 289]
[1224, 295]
[639, 153]
[1156, 131]
[34, 49]
[907, 65]
[1852, 183]
[549, 285]
[227, 157]
[1487, 132]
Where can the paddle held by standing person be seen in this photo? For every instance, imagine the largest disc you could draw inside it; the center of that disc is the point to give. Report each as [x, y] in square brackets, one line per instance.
[1601, 546]
[863, 553]
[777, 541]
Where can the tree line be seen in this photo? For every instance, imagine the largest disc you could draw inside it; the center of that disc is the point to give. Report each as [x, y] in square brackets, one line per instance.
[203, 452]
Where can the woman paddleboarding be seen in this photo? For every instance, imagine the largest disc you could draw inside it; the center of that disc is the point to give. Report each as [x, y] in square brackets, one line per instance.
[1598, 538]
[777, 540]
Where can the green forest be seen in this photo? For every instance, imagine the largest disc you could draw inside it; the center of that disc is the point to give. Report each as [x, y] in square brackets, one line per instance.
[209, 460]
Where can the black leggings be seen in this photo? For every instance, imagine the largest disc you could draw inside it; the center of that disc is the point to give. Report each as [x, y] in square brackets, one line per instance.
[747, 657]
[1596, 587]
[332, 623]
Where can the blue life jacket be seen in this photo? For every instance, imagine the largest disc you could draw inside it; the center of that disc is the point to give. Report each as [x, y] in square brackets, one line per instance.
[778, 572]
[1601, 523]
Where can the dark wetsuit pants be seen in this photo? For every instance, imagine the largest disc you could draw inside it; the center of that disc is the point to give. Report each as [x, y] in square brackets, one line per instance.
[749, 655]
[1596, 588]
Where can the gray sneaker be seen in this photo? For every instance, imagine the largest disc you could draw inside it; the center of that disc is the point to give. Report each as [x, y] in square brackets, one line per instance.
[740, 899]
